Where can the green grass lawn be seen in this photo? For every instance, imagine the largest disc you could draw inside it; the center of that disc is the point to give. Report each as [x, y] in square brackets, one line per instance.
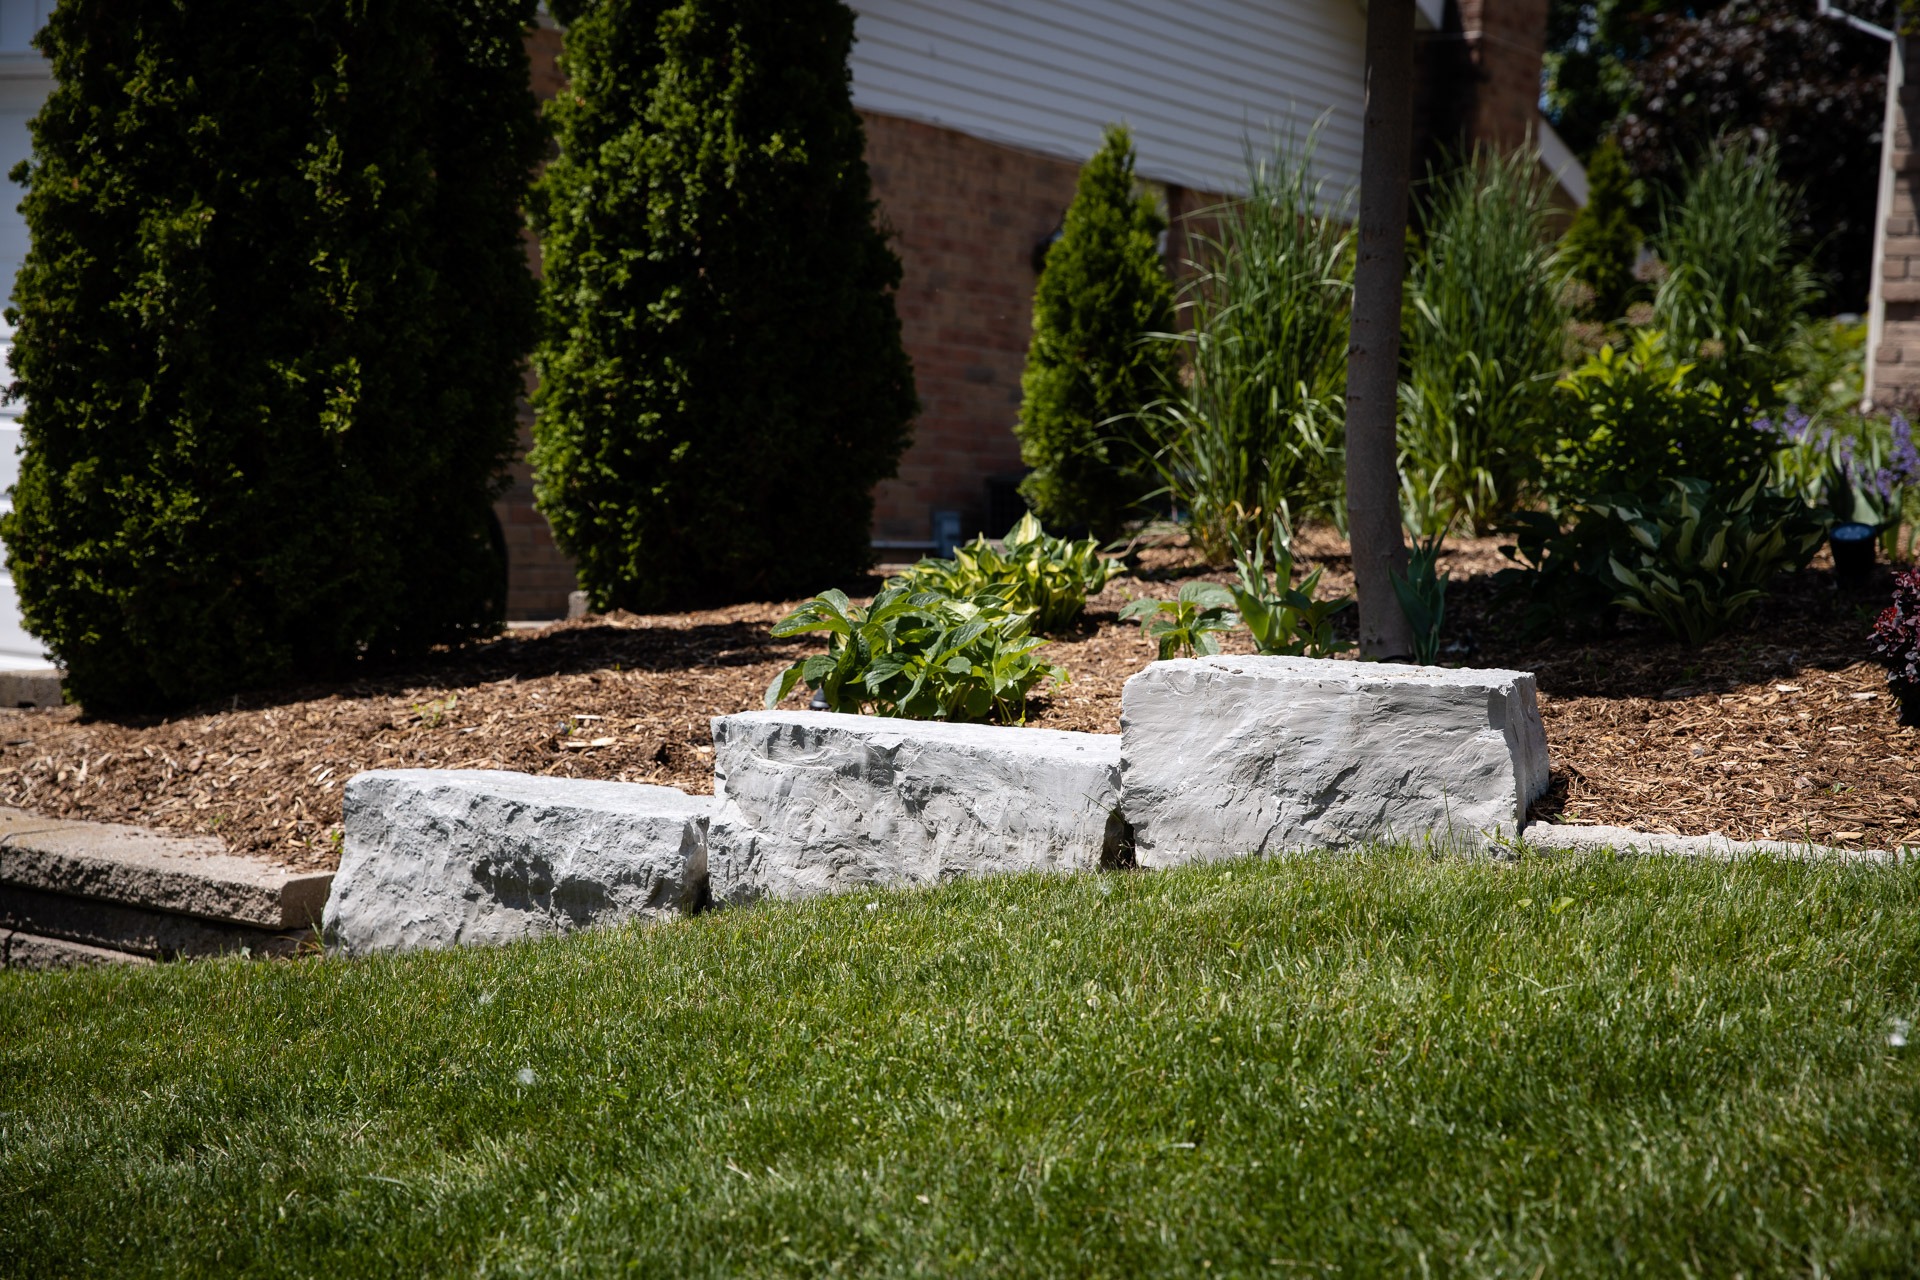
[1394, 1065]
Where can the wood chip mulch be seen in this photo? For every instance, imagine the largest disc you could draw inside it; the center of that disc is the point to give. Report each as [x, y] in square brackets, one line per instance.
[1783, 730]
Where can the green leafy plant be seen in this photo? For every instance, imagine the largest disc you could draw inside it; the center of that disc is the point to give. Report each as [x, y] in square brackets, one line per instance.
[1090, 369]
[1255, 431]
[1485, 337]
[920, 655]
[1632, 419]
[1738, 285]
[269, 338]
[1866, 470]
[721, 349]
[1046, 576]
[1600, 248]
[1189, 624]
[1422, 592]
[1284, 617]
[1696, 559]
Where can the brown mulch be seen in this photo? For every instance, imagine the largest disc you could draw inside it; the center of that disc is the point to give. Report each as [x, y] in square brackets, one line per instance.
[1782, 730]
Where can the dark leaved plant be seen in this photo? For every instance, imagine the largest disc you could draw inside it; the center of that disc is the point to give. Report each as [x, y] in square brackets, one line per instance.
[1896, 644]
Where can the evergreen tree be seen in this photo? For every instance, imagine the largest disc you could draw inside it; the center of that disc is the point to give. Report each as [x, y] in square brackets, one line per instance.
[270, 333]
[1602, 244]
[722, 381]
[1090, 367]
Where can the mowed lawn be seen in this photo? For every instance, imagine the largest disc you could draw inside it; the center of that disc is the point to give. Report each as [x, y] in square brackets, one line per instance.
[1383, 1065]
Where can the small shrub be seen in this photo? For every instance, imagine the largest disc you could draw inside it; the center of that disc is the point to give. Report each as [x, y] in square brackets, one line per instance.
[1255, 433]
[919, 655]
[1422, 592]
[1602, 246]
[1896, 644]
[1188, 625]
[1284, 617]
[1485, 339]
[1632, 420]
[1697, 559]
[270, 337]
[721, 353]
[1090, 366]
[1046, 576]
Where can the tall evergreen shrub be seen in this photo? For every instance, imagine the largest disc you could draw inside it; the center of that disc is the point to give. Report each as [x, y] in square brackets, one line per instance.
[270, 333]
[721, 376]
[1601, 246]
[1090, 366]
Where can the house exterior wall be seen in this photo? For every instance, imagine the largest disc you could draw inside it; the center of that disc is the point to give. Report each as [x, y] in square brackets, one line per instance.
[1893, 367]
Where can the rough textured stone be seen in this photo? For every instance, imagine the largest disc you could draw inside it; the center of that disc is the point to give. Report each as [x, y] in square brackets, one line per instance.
[160, 934]
[813, 802]
[32, 687]
[1226, 756]
[441, 857]
[1546, 835]
[194, 875]
[30, 951]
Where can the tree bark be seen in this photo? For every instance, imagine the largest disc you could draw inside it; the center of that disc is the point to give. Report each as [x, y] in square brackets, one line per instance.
[1373, 351]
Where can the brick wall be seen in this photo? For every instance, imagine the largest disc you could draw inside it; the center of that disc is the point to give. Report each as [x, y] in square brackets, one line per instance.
[1504, 42]
[1895, 380]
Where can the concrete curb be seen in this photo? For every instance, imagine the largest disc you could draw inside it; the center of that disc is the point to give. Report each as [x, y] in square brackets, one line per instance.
[1583, 839]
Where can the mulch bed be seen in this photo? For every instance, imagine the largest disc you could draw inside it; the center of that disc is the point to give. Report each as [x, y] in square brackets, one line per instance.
[1783, 730]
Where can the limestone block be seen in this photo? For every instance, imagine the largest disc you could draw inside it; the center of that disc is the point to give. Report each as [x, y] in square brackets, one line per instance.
[1597, 839]
[194, 875]
[163, 935]
[31, 951]
[813, 802]
[443, 857]
[1225, 756]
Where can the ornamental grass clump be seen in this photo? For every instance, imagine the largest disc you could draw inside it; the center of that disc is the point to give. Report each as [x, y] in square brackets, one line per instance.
[721, 359]
[1896, 644]
[270, 332]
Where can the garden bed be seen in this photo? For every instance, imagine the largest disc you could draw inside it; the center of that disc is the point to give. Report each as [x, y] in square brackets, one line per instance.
[1784, 730]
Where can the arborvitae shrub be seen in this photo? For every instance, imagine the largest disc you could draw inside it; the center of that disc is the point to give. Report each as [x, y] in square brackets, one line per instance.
[270, 336]
[1090, 368]
[721, 376]
[1602, 244]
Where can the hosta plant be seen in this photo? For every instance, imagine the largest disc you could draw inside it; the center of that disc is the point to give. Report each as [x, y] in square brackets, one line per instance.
[1896, 644]
[1046, 576]
[1696, 558]
[1284, 617]
[918, 654]
[1188, 625]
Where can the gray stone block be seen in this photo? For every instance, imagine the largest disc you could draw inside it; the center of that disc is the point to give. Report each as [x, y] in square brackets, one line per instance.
[813, 802]
[33, 687]
[1583, 839]
[1226, 756]
[443, 857]
[193, 875]
[30, 951]
[160, 934]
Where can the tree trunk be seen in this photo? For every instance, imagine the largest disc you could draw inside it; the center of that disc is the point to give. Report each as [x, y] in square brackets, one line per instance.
[1373, 352]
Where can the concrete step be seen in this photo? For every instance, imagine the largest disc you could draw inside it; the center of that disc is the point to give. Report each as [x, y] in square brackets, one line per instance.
[135, 867]
[31, 951]
[162, 935]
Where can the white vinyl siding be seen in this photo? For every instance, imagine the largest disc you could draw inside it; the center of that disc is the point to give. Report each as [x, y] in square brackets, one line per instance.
[1197, 81]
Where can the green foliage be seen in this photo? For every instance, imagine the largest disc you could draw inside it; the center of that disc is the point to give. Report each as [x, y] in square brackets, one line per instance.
[1187, 625]
[270, 331]
[1827, 368]
[918, 654]
[1611, 1042]
[1255, 432]
[1868, 471]
[1090, 366]
[1696, 559]
[721, 356]
[1046, 576]
[1602, 245]
[1422, 592]
[1738, 286]
[1284, 617]
[1485, 338]
[1634, 419]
